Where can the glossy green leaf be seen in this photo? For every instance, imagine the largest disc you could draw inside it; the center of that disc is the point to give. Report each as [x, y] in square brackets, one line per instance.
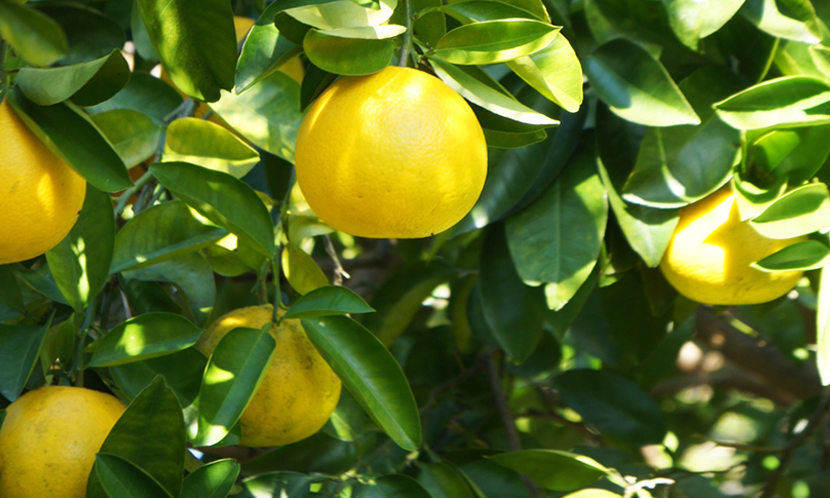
[444, 481]
[301, 271]
[91, 34]
[799, 212]
[143, 46]
[80, 262]
[87, 84]
[613, 404]
[233, 374]
[348, 56]
[470, 11]
[280, 484]
[682, 164]
[121, 479]
[182, 371]
[428, 27]
[485, 96]
[557, 239]
[72, 135]
[791, 100]
[208, 145]
[150, 435]
[328, 301]
[143, 337]
[370, 373]
[41, 281]
[636, 86]
[554, 71]
[134, 135]
[553, 470]
[489, 42]
[692, 20]
[11, 299]
[145, 94]
[823, 327]
[195, 42]
[221, 198]
[37, 38]
[319, 453]
[267, 113]
[806, 255]
[797, 152]
[264, 51]
[158, 234]
[342, 14]
[19, 350]
[315, 82]
[797, 22]
[513, 311]
[213, 480]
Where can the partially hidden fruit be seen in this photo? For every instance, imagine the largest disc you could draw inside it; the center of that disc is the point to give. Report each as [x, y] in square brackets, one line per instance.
[49, 439]
[300, 390]
[395, 154]
[40, 195]
[709, 256]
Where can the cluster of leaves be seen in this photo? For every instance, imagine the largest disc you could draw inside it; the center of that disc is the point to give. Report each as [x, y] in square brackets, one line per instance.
[555, 266]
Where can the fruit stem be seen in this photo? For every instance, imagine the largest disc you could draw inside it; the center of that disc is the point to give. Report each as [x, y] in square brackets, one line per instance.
[406, 46]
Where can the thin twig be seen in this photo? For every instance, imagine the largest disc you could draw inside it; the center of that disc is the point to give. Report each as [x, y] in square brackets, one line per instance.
[125, 196]
[407, 36]
[794, 444]
[339, 272]
[127, 313]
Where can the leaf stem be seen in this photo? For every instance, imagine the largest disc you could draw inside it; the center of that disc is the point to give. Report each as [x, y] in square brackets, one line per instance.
[125, 196]
[406, 46]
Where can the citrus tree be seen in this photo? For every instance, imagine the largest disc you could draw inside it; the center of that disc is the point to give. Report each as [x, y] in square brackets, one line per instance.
[414, 248]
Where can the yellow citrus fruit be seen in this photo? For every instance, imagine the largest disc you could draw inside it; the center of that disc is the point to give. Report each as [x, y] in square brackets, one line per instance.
[300, 390]
[40, 195]
[49, 440]
[709, 256]
[395, 154]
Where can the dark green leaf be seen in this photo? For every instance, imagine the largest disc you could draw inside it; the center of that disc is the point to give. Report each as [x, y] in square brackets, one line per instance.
[444, 481]
[208, 145]
[213, 480]
[370, 373]
[234, 371]
[133, 135]
[145, 94]
[221, 198]
[327, 301]
[37, 38]
[182, 371]
[143, 337]
[791, 100]
[121, 479]
[806, 255]
[613, 404]
[91, 33]
[553, 470]
[11, 300]
[72, 135]
[265, 50]
[195, 41]
[315, 81]
[470, 11]
[494, 41]
[318, 453]
[279, 484]
[80, 262]
[395, 486]
[87, 84]
[19, 350]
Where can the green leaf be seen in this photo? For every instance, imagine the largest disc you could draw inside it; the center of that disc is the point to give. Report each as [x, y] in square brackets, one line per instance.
[208, 145]
[19, 351]
[315, 82]
[636, 86]
[823, 327]
[692, 20]
[234, 371]
[394, 486]
[80, 262]
[470, 11]
[798, 152]
[143, 337]
[195, 41]
[34, 36]
[121, 479]
[72, 135]
[268, 114]
[799, 212]
[557, 239]
[806, 255]
[150, 435]
[489, 42]
[158, 234]
[593, 493]
[370, 373]
[342, 14]
[679, 165]
[213, 480]
[553, 470]
[182, 371]
[319, 453]
[486, 96]
[797, 22]
[222, 199]
[145, 94]
[301, 271]
[613, 404]
[513, 311]
[133, 135]
[554, 71]
[338, 54]
[143, 47]
[264, 51]
[328, 301]
[791, 100]
[91, 33]
[444, 481]
[279, 484]
[11, 299]
[41, 281]
[87, 84]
